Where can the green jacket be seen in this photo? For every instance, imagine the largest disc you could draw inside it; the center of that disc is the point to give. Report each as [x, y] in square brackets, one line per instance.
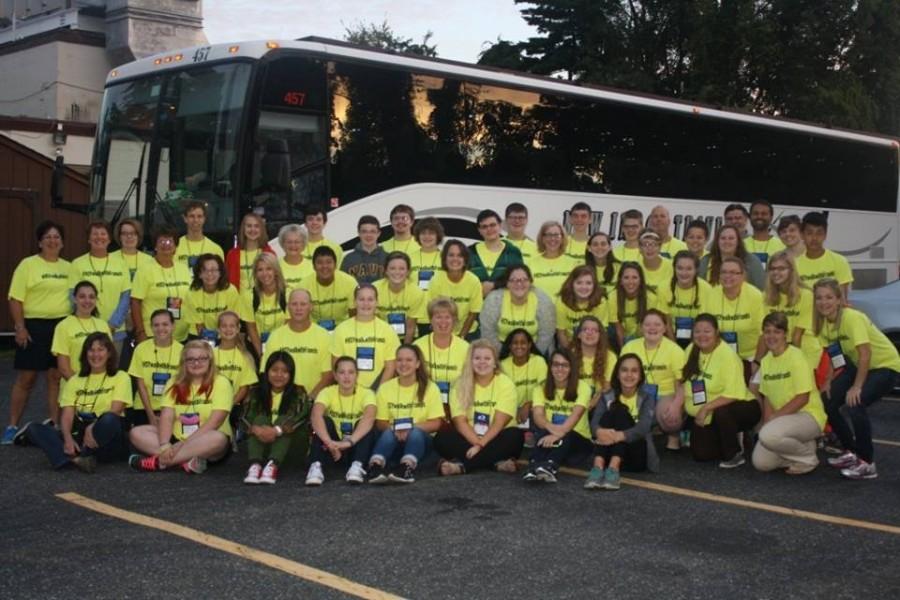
[292, 414]
[509, 257]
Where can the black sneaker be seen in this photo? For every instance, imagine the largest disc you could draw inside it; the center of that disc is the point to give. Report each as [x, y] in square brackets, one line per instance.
[546, 472]
[529, 474]
[377, 474]
[404, 473]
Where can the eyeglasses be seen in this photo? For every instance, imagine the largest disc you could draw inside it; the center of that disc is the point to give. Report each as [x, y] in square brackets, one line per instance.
[196, 359]
[518, 280]
[553, 235]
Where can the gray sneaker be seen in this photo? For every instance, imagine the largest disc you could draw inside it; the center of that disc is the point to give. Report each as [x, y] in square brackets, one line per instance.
[734, 462]
[594, 479]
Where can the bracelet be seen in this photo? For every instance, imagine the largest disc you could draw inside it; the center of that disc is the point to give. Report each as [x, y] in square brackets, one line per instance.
[164, 447]
[350, 439]
[279, 431]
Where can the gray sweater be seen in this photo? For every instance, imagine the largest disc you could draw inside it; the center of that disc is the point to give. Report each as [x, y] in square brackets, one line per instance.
[756, 274]
[546, 318]
[646, 411]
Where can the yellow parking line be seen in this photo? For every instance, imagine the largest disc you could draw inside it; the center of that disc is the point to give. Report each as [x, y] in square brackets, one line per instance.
[772, 508]
[267, 559]
[887, 443]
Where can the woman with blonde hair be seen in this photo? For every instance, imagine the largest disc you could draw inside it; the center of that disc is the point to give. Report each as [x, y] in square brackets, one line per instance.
[241, 261]
[483, 406]
[193, 423]
[267, 302]
[786, 293]
[551, 266]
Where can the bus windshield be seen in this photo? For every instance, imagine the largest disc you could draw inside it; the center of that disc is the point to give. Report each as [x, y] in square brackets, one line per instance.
[170, 137]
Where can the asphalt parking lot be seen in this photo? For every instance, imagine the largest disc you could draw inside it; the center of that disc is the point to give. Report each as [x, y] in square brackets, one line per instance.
[691, 531]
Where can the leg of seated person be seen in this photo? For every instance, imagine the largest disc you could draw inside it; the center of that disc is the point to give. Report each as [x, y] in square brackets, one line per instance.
[451, 445]
[145, 439]
[417, 445]
[384, 449]
[49, 440]
[110, 437]
[362, 449]
[207, 444]
[791, 439]
[705, 442]
[507, 445]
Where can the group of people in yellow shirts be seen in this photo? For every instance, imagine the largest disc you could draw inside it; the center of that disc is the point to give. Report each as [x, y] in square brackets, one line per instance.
[374, 361]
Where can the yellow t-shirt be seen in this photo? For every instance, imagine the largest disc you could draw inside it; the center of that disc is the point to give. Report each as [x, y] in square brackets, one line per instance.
[332, 302]
[191, 416]
[246, 258]
[527, 247]
[345, 411]
[529, 376]
[488, 257]
[499, 396]
[576, 250]
[187, 251]
[558, 409]
[741, 317]
[550, 273]
[310, 349]
[629, 316]
[721, 374]
[396, 308]
[662, 366]
[371, 343]
[855, 329]
[686, 303]
[608, 285]
[156, 367]
[515, 316]
[236, 367]
[311, 246]
[568, 319]
[133, 262]
[203, 308]
[42, 287]
[466, 294]
[109, 274]
[396, 402]
[782, 378]
[408, 247]
[625, 254]
[268, 315]
[444, 364]
[96, 392]
[157, 287]
[669, 249]
[69, 336]
[763, 250]
[587, 370]
[800, 315]
[295, 274]
[660, 279]
[426, 263]
[830, 264]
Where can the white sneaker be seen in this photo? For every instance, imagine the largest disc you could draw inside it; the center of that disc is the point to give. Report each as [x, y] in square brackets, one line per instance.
[315, 476]
[252, 477]
[356, 473]
[861, 470]
[269, 473]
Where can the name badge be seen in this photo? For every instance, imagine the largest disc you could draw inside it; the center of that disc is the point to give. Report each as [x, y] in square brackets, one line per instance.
[365, 358]
[558, 419]
[397, 321]
[651, 389]
[210, 336]
[762, 256]
[698, 391]
[444, 387]
[192, 261]
[346, 428]
[481, 423]
[838, 361]
[190, 423]
[683, 327]
[263, 338]
[159, 383]
[327, 324]
[730, 338]
[403, 424]
[173, 305]
[425, 279]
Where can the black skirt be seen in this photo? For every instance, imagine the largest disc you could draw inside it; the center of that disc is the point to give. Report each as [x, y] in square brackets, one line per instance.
[37, 356]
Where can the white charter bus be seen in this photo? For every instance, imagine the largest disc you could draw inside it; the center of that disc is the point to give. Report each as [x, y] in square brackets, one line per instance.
[274, 127]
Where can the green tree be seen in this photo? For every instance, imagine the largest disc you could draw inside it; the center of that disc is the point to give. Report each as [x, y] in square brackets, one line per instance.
[383, 37]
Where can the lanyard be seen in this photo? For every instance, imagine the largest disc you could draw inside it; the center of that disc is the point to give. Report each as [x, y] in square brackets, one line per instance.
[340, 399]
[156, 355]
[333, 287]
[87, 381]
[432, 347]
[99, 274]
[649, 368]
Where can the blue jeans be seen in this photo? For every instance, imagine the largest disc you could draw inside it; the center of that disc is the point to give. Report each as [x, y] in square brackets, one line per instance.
[858, 440]
[390, 451]
[109, 433]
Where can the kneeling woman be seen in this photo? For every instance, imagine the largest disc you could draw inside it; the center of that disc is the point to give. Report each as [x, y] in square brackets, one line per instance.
[716, 397]
[560, 410]
[275, 410]
[483, 406]
[622, 424]
[342, 419]
[793, 415]
[193, 423]
[408, 411]
[92, 404]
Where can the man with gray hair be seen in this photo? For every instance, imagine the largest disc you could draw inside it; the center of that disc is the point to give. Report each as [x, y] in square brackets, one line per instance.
[660, 222]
